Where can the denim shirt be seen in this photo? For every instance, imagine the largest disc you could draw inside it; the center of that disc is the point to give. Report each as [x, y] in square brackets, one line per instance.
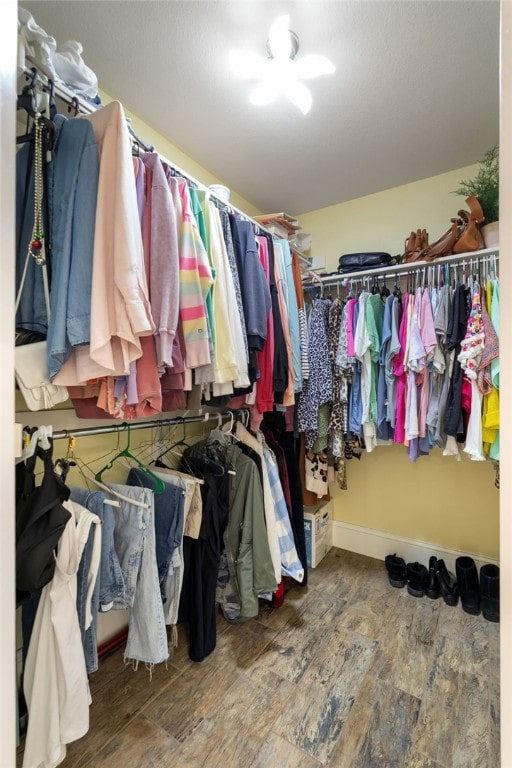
[72, 186]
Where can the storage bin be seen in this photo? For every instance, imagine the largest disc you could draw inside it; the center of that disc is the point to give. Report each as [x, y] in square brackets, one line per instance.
[318, 532]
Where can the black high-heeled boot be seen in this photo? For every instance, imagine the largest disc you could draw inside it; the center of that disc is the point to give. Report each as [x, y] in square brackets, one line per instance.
[433, 589]
[469, 587]
[447, 583]
[490, 592]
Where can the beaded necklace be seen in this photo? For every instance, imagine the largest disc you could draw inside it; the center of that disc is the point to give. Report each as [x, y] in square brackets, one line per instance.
[36, 247]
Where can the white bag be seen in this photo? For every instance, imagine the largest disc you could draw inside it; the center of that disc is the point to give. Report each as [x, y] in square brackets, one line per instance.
[33, 378]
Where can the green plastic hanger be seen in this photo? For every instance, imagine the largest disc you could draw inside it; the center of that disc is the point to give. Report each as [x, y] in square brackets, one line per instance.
[125, 453]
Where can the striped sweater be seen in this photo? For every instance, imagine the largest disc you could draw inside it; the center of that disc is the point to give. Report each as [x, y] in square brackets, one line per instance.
[195, 283]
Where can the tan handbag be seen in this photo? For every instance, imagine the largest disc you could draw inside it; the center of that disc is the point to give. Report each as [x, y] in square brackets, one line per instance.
[471, 238]
[464, 235]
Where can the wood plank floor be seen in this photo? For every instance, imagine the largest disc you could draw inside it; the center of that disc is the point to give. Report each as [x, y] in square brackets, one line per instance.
[348, 673]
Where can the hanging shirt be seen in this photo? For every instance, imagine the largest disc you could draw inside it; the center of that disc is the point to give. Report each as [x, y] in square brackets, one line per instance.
[400, 373]
[351, 327]
[416, 367]
[292, 311]
[362, 343]
[495, 319]
[264, 387]
[393, 349]
[299, 292]
[228, 241]
[453, 421]
[280, 375]
[318, 389]
[290, 563]
[230, 360]
[255, 292]
[199, 215]
[288, 396]
[374, 321]
[443, 363]
[355, 408]
[163, 270]
[72, 185]
[120, 310]
[195, 284]
[384, 429]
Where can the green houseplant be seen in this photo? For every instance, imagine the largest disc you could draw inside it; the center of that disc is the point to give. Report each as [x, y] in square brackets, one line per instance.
[486, 187]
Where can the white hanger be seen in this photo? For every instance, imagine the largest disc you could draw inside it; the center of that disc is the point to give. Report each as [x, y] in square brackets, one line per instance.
[136, 503]
[42, 435]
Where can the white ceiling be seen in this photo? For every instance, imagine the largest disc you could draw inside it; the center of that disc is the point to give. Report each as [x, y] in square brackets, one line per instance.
[415, 93]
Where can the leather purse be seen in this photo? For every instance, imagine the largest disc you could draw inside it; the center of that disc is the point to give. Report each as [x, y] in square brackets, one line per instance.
[358, 262]
[415, 244]
[464, 235]
[471, 238]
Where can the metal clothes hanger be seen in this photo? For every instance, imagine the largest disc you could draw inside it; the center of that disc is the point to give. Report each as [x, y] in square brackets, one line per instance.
[176, 444]
[125, 453]
[72, 460]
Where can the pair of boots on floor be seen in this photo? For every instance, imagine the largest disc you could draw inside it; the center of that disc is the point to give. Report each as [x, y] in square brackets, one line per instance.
[475, 593]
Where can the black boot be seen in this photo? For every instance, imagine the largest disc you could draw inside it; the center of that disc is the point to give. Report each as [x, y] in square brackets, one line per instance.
[433, 589]
[469, 587]
[490, 592]
[417, 579]
[447, 583]
[395, 566]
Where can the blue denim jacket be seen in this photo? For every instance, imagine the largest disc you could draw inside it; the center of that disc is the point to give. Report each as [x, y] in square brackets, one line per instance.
[72, 188]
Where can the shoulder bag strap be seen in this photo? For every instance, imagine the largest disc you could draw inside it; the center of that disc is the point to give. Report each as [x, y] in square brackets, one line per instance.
[36, 248]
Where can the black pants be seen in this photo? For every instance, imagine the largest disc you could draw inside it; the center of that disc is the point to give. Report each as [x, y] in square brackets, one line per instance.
[201, 567]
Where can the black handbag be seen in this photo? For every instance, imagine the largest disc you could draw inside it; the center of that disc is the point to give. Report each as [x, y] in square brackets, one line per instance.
[358, 262]
[40, 522]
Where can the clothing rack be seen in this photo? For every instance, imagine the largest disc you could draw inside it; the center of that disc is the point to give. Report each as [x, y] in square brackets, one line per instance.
[78, 104]
[153, 424]
[456, 261]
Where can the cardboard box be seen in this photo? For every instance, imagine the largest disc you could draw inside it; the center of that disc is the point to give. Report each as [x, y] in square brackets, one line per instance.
[318, 532]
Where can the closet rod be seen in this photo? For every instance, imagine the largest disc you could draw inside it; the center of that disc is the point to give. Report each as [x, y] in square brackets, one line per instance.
[153, 424]
[458, 259]
[60, 90]
[67, 95]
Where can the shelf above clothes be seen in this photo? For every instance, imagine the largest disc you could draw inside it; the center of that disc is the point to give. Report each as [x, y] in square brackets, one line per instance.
[486, 255]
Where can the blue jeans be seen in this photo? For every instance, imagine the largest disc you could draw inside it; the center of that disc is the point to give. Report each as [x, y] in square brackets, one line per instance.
[169, 508]
[93, 501]
[134, 541]
[355, 403]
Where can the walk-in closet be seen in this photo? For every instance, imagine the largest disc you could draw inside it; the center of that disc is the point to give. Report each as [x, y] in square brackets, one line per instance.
[256, 437]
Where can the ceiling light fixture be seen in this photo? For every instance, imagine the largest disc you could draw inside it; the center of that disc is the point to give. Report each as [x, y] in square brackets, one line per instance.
[281, 73]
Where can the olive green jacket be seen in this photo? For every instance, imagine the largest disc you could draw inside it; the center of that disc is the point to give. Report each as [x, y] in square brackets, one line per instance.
[245, 538]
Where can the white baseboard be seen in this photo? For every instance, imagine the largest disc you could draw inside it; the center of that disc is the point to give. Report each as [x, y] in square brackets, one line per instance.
[378, 544]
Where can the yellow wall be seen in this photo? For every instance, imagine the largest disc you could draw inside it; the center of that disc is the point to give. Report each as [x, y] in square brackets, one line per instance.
[382, 221]
[436, 499]
[175, 155]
